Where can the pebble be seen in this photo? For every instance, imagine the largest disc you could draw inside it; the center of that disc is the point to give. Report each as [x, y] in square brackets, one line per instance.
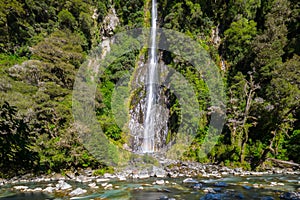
[102, 180]
[93, 185]
[159, 182]
[108, 186]
[108, 175]
[77, 191]
[104, 184]
[143, 176]
[122, 178]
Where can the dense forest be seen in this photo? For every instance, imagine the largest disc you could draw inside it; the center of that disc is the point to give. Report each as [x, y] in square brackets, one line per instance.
[255, 43]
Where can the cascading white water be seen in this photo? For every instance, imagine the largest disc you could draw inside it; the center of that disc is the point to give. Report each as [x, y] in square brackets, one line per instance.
[149, 123]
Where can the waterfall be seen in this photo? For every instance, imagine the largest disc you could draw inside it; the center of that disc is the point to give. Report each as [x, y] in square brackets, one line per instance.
[151, 90]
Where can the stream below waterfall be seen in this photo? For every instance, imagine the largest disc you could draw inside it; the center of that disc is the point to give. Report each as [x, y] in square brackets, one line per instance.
[265, 187]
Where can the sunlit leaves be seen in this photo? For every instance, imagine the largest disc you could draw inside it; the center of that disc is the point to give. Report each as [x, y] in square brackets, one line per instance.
[238, 39]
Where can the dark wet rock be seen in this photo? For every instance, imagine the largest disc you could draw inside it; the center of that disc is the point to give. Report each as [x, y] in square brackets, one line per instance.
[267, 198]
[290, 196]
[221, 184]
[167, 190]
[217, 189]
[197, 186]
[247, 187]
[163, 198]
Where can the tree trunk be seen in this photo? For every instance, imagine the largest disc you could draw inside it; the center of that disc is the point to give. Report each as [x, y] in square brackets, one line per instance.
[264, 155]
[285, 162]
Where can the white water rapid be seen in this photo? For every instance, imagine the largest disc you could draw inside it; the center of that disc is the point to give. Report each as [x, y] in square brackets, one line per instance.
[149, 123]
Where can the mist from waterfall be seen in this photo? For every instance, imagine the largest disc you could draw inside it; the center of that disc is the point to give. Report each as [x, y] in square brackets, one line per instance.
[151, 90]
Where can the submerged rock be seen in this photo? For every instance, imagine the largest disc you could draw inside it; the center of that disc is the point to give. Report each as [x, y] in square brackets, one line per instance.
[290, 196]
[211, 196]
[267, 198]
[221, 184]
[247, 187]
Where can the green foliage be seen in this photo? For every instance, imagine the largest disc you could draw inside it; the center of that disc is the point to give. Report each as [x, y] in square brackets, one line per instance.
[293, 146]
[17, 137]
[185, 16]
[238, 39]
[102, 171]
[66, 20]
[130, 12]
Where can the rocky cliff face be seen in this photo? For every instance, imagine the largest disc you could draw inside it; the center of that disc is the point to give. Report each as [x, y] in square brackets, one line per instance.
[138, 108]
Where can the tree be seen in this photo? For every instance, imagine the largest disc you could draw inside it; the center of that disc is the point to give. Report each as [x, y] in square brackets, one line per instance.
[185, 16]
[10, 24]
[16, 139]
[238, 39]
[276, 112]
[241, 93]
[66, 20]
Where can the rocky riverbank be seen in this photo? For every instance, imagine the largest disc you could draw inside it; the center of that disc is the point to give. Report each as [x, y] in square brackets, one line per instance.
[198, 181]
[171, 170]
